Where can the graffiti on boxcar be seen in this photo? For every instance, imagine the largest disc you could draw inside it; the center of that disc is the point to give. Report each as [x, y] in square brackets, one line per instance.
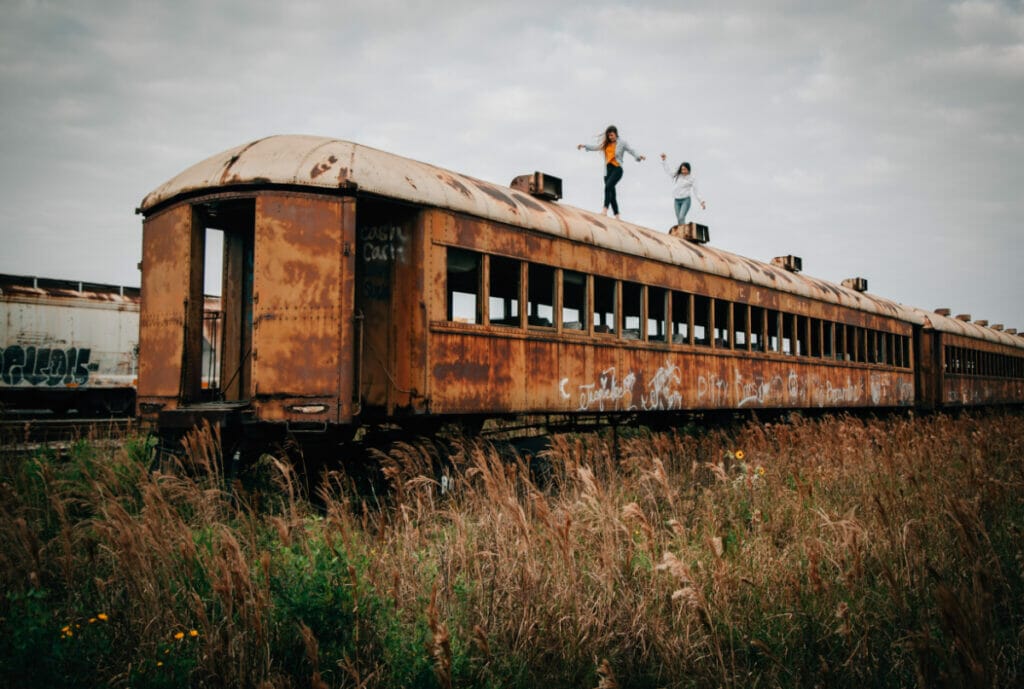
[757, 389]
[610, 393]
[663, 389]
[381, 246]
[608, 390]
[383, 243]
[712, 390]
[849, 393]
[45, 365]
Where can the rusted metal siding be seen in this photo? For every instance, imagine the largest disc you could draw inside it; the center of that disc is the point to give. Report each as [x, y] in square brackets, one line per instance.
[166, 257]
[962, 389]
[298, 281]
[478, 373]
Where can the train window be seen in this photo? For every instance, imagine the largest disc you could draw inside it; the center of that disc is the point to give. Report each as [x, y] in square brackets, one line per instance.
[681, 318]
[540, 306]
[774, 340]
[503, 303]
[463, 286]
[788, 326]
[632, 301]
[604, 305]
[723, 319]
[741, 326]
[701, 320]
[801, 346]
[871, 338]
[574, 300]
[828, 346]
[757, 329]
[656, 323]
[814, 341]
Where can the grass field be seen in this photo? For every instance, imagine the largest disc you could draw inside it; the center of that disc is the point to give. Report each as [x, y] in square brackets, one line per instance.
[831, 553]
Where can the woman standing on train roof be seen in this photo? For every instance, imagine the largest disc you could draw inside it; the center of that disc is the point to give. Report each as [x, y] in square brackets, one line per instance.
[686, 187]
[614, 149]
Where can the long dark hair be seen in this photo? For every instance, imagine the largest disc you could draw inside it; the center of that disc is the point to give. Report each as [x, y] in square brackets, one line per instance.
[679, 170]
[611, 128]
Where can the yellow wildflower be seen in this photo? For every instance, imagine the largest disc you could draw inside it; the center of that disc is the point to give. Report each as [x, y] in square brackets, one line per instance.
[740, 454]
[92, 620]
[159, 663]
[103, 616]
[760, 471]
[193, 633]
[179, 635]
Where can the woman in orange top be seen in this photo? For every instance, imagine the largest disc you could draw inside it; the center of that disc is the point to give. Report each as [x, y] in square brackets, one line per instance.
[614, 149]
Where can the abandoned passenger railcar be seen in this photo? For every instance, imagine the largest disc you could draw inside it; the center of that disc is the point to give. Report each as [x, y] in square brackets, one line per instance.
[361, 287]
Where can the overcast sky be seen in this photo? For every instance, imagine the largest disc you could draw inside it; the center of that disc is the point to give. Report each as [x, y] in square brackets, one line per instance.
[876, 139]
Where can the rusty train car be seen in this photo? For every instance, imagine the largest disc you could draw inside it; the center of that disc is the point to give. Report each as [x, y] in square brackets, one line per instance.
[363, 288]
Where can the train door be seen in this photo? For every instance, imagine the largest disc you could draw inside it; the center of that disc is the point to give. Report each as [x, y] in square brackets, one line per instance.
[388, 307]
[219, 341]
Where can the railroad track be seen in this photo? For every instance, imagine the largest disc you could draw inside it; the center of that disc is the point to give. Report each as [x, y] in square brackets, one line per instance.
[19, 434]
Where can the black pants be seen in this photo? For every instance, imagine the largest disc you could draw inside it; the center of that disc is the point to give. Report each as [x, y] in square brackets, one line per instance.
[611, 178]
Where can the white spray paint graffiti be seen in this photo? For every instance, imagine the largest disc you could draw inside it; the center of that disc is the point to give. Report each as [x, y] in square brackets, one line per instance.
[663, 389]
[608, 390]
[712, 390]
[758, 390]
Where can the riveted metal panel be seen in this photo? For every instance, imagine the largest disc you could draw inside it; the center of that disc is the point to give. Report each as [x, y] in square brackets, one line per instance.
[298, 285]
[166, 260]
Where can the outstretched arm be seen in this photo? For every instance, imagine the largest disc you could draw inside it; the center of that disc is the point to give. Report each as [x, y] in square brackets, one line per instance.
[629, 149]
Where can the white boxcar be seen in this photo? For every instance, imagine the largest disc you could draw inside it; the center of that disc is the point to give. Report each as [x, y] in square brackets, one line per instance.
[67, 345]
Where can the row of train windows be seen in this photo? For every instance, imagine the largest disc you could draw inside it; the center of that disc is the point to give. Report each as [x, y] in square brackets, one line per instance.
[557, 298]
[973, 362]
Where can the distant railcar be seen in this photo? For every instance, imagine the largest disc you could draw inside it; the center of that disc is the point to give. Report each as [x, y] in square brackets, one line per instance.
[68, 345]
[360, 287]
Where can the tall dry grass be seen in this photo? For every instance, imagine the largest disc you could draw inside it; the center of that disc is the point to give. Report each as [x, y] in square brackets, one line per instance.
[836, 553]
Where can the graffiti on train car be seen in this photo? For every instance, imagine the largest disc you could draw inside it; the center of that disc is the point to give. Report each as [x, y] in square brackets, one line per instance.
[45, 366]
[614, 391]
[381, 245]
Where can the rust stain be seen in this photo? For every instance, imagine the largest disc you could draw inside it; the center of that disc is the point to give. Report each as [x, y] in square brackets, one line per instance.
[498, 196]
[234, 159]
[411, 182]
[457, 185]
[322, 167]
[529, 202]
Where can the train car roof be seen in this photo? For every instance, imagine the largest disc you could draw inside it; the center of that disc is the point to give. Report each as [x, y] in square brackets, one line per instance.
[32, 287]
[332, 164]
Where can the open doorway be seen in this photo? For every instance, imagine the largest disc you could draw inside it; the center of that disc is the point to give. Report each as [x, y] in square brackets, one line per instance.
[218, 348]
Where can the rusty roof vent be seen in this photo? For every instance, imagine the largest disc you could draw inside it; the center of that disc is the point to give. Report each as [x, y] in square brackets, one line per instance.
[982, 323]
[691, 232]
[857, 284]
[965, 317]
[997, 326]
[540, 185]
[793, 264]
[943, 312]
[1010, 331]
